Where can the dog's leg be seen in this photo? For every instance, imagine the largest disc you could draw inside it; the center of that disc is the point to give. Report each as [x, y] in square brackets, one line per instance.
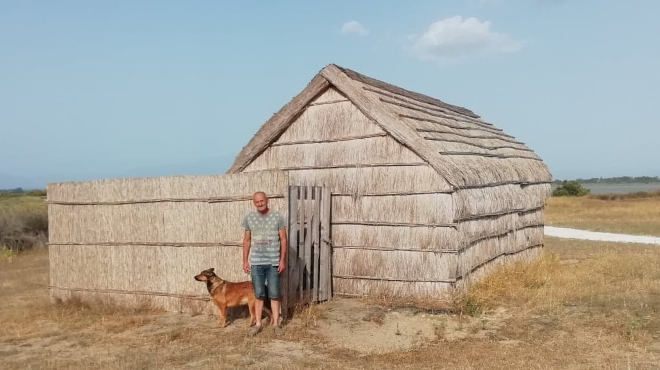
[269, 313]
[253, 316]
[223, 315]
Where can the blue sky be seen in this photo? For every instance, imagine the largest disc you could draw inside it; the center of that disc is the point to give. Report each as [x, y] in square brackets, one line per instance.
[110, 89]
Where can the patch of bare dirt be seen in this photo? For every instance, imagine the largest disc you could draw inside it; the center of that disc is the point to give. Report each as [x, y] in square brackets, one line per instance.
[351, 324]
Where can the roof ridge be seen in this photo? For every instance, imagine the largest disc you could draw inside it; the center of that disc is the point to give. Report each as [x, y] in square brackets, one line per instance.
[404, 92]
[402, 133]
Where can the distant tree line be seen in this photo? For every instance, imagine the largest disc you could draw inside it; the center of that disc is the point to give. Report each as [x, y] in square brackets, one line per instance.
[616, 180]
[20, 191]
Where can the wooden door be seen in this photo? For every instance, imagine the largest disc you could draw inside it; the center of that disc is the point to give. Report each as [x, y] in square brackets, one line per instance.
[308, 278]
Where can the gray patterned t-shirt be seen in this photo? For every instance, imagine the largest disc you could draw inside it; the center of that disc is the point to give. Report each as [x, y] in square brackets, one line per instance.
[264, 236]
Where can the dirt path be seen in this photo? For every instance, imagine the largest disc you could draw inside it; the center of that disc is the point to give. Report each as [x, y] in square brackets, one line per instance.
[562, 232]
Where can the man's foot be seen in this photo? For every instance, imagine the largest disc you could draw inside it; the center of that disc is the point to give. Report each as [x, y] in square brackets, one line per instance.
[254, 330]
[278, 330]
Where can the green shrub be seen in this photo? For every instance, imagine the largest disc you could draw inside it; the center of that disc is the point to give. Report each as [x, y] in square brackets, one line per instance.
[570, 189]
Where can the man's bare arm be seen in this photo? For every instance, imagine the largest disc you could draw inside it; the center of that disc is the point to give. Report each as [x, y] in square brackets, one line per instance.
[246, 251]
[284, 244]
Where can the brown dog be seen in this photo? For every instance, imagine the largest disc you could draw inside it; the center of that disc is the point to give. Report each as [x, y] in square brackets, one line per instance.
[226, 294]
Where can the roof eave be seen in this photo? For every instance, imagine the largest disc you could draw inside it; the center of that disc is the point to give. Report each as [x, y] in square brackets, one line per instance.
[277, 124]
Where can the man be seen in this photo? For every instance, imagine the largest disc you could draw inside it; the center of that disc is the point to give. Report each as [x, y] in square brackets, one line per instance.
[264, 257]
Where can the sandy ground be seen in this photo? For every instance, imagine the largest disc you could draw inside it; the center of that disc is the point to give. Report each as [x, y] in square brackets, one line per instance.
[582, 318]
[346, 333]
[348, 325]
[368, 329]
[562, 232]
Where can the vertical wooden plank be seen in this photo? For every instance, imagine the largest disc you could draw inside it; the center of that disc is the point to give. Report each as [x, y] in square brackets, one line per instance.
[325, 284]
[308, 244]
[315, 243]
[291, 270]
[301, 240]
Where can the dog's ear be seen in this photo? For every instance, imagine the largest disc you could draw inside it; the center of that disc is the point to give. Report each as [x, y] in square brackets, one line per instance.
[211, 269]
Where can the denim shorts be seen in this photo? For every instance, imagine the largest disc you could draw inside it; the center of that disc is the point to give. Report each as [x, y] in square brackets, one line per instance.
[265, 277]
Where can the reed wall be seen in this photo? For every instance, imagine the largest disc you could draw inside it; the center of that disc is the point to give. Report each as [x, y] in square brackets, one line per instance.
[328, 95]
[526, 255]
[380, 150]
[378, 180]
[404, 265]
[395, 237]
[418, 209]
[386, 288]
[132, 241]
[320, 122]
[494, 200]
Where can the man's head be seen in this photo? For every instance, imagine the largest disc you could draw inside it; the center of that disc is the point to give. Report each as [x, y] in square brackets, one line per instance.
[260, 201]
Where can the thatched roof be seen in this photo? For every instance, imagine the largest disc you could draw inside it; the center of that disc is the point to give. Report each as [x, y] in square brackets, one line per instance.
[456, 142]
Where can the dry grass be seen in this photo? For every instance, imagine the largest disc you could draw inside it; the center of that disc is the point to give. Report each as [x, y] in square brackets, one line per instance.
[613, 287]
[26, 306]
[309, 315]
[429, 305]
[23, 222]
[629, 216]
[584, 305]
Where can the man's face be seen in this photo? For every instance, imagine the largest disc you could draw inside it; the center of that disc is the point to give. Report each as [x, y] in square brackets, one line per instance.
[260, 201]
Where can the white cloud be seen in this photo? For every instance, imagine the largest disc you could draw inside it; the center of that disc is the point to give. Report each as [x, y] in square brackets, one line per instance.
[454, 39]
[354, 28]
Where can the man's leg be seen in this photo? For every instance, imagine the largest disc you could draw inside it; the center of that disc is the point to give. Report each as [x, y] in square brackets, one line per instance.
[259, 283]
[275, 305]
[259, 308]
[274, 293]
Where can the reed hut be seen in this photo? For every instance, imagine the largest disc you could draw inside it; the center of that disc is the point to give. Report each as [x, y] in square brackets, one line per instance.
[425, 195]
